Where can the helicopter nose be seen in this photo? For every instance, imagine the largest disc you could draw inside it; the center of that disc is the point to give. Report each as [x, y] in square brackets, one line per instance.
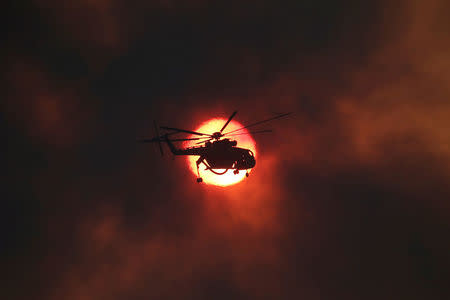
[252, 162]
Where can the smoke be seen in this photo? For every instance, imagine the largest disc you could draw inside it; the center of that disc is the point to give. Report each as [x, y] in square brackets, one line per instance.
[349, 194]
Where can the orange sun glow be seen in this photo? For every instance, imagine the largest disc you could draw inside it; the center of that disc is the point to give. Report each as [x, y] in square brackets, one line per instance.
[243, 141]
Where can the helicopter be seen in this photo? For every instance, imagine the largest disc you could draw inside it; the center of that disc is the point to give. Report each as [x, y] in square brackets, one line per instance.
[218, 153]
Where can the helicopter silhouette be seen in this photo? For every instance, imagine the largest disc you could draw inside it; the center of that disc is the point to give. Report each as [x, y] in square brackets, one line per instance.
[218, 153]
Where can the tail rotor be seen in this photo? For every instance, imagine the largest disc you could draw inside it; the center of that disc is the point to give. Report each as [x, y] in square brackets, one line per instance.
[159, 139]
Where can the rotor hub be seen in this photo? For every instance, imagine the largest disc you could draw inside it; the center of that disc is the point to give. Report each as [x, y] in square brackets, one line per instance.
[217, 135]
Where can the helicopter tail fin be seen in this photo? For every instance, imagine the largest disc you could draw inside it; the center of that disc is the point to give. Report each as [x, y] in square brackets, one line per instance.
[172, 147]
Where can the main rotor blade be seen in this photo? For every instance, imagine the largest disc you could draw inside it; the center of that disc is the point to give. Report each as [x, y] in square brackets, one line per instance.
[260, 122]
[183, 130]
[251, 132]
[180, 140]
[160, 139]
[153, 140]
[204, 141]
[229, 120]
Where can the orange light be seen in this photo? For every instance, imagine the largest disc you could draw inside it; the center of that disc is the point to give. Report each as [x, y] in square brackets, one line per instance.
[243, 141]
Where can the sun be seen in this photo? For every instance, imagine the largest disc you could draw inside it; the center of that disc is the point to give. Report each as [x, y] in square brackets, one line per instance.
[243, 141]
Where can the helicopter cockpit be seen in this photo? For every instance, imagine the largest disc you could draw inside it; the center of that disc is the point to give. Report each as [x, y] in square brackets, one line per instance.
[246, 161]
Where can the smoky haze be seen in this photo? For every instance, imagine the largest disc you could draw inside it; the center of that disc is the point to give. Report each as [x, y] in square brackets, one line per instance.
[349, 198]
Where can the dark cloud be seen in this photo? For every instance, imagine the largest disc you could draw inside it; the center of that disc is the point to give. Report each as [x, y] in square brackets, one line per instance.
[349, 198]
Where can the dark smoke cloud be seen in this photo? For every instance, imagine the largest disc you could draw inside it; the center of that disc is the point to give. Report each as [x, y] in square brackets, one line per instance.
[349, 198]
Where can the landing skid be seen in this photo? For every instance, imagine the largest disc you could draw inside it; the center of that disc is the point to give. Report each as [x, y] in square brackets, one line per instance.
[200, 180]
[201, 160]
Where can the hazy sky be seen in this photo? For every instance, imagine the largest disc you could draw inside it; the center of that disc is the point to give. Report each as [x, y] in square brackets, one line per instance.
[350, 195]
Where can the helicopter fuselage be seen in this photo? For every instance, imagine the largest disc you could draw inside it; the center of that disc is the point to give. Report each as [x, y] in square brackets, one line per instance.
[222, 154]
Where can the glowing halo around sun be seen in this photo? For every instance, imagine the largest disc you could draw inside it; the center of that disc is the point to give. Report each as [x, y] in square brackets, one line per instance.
[243, 141]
